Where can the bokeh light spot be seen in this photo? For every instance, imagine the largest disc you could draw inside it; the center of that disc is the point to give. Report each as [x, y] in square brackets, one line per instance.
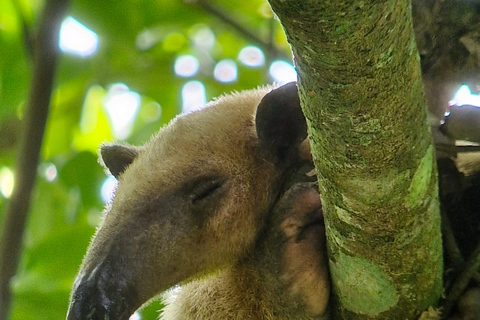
[282, 72]
[465, 97]
[77, 39]
[202, 37]
[252, 56]
[225, 71]
[49, 171]
[186, 66]
[193, 96]
[151, 111]
[108, 189]
[121, 106]
[7, 182]
[148, 38]
[174, 41]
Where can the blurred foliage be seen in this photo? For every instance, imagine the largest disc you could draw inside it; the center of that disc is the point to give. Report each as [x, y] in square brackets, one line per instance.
[66, 205]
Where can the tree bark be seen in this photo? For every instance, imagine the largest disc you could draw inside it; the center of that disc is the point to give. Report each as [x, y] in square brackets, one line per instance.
[45, 58]
[361, 91]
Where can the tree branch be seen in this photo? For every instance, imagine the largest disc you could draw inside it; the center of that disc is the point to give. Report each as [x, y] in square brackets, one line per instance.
[462, 281]
[267, 46]
[45, 62]
[359, 81]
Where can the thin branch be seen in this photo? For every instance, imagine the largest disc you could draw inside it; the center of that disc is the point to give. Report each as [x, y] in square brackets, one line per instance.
[270, 52]
[454, 149]
[456, 259]
[462, 281]
[457, 262]
[247, 33]
[45, 61]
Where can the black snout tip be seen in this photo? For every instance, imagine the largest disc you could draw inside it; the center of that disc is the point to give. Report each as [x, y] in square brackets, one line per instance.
[92, 301]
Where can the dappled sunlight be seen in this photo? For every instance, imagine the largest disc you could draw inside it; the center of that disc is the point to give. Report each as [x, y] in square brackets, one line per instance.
[121, 106]
[202, 37]
[465, 97]
[94, 127]
[113, 114]
[252, 56]
[88, 119]
[193, 96]
[108, 189]
[282, 72]
[48, 171]
[148, 38]
[9, 22]
[77, 39]
[135, 316]
[151, 111]
[6, 182]
[186, 66]
[174, 41]
[225, 71]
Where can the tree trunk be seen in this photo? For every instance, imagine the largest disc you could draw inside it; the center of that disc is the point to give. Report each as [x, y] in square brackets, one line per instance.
[360, 87]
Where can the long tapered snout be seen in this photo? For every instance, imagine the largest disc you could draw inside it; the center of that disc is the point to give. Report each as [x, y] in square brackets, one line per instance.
[117, 276]
[114, 286]
[129, 263]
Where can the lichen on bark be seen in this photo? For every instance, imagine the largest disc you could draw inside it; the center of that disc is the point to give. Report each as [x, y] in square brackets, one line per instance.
[361, 92]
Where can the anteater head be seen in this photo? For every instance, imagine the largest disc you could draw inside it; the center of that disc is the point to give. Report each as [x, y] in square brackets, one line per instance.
[190, 201]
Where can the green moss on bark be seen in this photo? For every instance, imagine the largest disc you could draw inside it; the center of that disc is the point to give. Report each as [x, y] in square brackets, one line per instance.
[420, 181]
[366, 289]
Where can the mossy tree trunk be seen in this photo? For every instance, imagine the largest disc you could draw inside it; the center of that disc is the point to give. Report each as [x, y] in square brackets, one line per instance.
[360, 87]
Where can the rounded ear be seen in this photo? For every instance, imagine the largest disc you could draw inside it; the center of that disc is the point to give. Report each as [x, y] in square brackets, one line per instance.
[280, 124]
[116, 157]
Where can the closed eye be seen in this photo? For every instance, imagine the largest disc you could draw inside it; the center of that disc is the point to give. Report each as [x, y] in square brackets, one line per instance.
[205, 188]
